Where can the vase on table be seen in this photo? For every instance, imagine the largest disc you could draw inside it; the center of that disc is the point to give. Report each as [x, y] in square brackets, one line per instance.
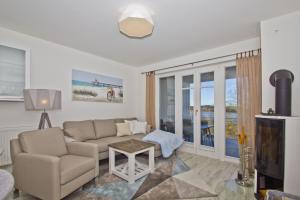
[243, 177]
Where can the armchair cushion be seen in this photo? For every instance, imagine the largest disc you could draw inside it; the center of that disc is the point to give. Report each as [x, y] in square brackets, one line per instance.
[47, 142]
[72, 167]
[86, 150]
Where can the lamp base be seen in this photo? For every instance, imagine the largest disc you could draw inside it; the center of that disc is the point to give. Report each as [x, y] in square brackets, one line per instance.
[44, 119]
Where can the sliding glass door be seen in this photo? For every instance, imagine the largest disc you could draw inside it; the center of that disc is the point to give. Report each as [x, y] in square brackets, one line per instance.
[200, 105]
[231, 143]
[188, 108]
[207, 107]
[167, 104]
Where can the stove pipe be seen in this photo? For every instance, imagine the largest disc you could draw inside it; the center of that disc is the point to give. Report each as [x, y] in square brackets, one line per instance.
[282, 81]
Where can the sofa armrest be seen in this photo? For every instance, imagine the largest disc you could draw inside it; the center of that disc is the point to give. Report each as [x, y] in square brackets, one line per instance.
[38, 175]
[86, 150]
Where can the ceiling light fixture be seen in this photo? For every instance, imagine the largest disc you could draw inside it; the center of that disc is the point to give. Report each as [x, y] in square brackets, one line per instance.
[136, 22]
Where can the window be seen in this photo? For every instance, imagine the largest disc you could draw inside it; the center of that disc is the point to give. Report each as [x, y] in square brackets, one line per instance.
[231, 143]
[207, 109]
[167, 104]
[188, 108]
[14, 71]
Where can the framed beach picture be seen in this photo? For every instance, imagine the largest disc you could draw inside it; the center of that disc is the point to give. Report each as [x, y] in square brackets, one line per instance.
[87, 86]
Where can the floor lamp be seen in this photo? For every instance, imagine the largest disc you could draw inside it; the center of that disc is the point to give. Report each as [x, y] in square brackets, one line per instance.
[42, 99]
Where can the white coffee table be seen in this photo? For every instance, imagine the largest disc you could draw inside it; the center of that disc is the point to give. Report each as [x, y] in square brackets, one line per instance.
[132, 170]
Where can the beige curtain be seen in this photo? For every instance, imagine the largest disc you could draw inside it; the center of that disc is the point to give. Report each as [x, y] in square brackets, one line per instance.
[150, 99]
[249, 95]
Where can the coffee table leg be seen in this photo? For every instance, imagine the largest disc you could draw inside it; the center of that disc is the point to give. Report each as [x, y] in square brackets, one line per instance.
[111, 160]
[131, 168]
[151, 159]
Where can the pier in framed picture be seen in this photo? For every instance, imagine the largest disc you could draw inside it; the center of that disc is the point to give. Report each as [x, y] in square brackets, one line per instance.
[14, 72]
[93, 87]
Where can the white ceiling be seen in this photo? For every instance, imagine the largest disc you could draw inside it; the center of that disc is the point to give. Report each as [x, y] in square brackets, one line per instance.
[181, 26]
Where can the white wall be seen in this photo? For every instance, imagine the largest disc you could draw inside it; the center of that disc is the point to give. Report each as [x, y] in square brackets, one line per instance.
[211, 53]
[280, 42]
[51, 67]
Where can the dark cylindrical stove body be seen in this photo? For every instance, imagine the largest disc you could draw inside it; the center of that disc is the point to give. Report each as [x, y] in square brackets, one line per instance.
[282, 81]
[283, 100]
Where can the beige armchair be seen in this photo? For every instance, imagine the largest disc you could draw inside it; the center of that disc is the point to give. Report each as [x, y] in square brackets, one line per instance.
[47, 167]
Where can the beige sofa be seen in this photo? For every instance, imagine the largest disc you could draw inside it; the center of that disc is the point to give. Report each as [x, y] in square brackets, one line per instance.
[47, 167]
[101, 132]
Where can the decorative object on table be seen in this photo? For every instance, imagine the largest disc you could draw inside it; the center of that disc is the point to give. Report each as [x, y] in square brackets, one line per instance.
[93, 87]
[6, 184]
[42, 99]
[282, 80]
[243, 178]
[271, 111]
[14, 70]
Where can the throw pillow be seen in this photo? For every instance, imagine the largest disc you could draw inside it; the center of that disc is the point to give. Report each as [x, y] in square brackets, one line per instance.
[140, 127]
[74, 133]
[131, 124]
[123, 129]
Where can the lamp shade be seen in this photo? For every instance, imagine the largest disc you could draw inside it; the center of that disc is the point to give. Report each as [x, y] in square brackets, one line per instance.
[136, 21]
[42, 99]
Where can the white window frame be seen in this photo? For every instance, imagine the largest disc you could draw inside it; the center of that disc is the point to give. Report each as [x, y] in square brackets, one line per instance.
[157, 100]
[219, 150]
[27, 71]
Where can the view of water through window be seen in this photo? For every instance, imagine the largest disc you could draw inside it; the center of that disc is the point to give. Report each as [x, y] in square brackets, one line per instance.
[207, 109]
[231, 143]
[207, 94]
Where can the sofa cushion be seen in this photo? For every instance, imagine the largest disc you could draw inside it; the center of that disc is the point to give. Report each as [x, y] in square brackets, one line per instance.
[86, 128]
[104, 142]
[74, 133]
[48, 142]
[105, 128]
[72, 167]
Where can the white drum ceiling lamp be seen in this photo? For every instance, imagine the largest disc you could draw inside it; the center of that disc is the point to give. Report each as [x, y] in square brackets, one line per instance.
[136, 22]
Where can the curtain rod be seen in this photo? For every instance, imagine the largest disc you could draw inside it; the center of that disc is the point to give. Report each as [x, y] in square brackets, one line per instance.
[251, 52]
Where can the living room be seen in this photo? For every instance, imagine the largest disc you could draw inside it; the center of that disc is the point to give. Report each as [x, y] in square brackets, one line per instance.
[169, 72]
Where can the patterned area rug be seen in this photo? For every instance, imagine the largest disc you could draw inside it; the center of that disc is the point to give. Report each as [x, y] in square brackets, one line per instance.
[159, 185]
